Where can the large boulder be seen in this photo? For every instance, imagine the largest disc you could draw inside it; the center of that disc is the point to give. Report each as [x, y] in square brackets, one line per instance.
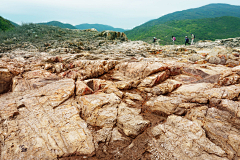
[113, 35]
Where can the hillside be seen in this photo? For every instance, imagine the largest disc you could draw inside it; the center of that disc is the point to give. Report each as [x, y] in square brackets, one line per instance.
[59, 24]
[15, 24]
[99, 27]
[5, 24]
[208, 11]
[204, 29]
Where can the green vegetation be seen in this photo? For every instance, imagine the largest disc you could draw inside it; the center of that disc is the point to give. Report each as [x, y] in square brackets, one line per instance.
[59, 24]
[99, 27]
[15, 24]
[5, 24]
[204, 29]
[189, 21]
[44, 37]
[36, 33]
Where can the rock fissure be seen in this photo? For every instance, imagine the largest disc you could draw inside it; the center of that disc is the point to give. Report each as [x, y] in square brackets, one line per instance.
[114, 103]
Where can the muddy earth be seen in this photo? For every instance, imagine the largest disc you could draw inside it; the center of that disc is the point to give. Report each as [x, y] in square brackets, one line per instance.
[120, 99]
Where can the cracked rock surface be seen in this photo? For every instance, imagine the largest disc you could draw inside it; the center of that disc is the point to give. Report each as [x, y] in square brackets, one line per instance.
[130, 102]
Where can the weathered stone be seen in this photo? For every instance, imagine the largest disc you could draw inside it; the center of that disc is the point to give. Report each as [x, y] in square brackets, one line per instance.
[164, 104]
[99, 109]
[46, 126]
[32, 80]
[137, 70]
[134, 96]
[154, 80]
[180, 138]
[127, 84]
[197, 114]
[221, 132]
[214, 60]
[164, 88]
[130, 121]
[110, 107]
[110, 88]
[195, 57]
[82, 89]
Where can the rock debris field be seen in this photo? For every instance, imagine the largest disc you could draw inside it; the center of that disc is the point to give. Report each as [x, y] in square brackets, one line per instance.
[125, 100]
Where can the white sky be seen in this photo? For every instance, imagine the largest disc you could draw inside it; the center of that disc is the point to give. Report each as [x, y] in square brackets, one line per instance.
[125, 14]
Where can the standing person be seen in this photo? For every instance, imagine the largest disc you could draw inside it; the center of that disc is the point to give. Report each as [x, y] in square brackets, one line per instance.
[186, 40]
[173, 39]
[154, 41]
[193, 37]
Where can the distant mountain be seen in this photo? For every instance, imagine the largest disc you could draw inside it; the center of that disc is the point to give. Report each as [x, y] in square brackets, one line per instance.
[99, 27]
[5, 24]
[204, 29]
[59, 24]
[208, 11]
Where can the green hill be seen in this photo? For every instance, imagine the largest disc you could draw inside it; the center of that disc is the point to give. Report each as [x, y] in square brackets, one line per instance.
[59, 24]
[5, 24]
[99, 27]
[15, 24]
[204, 29]
[148, 29]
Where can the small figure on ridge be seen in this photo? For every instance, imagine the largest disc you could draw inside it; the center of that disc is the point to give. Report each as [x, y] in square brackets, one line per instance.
[193, 37]
[186, 40]
[173, 39]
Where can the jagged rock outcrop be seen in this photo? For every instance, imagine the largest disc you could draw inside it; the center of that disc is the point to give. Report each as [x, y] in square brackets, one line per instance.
[140, 103]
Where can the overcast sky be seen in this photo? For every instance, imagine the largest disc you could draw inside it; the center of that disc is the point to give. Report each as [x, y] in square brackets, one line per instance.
[125, 14]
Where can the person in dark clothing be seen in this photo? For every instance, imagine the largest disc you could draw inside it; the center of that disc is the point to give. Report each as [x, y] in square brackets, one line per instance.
[154, 41]
[186, 41]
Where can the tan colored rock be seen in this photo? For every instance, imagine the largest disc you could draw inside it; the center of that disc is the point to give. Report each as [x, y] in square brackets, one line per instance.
[180, 138]
[85, 69]
[130, 121]
[164, 88]
[197, 114]
[190, 89]
[137, 70]
[99, 109]
[102, 135]
[164, 104]
[82, 89]
[154, 79]
[229, 92]
[110, 88]
[48, 66]
[46, 124]
[32, 80]
[230, 79]
[223, 133]
[134, 96]
[58, 68]
[95, 84]
[232, 107]
[128, 84]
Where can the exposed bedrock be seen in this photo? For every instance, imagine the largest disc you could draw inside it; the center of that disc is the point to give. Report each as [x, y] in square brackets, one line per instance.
[70, 107]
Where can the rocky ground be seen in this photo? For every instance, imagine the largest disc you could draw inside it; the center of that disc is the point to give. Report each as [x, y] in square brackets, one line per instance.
[121, 100]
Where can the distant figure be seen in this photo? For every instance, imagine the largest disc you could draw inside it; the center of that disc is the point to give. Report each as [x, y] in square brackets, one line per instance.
[154, 41]
[173, 39]
[186, 41]
[193, 37]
